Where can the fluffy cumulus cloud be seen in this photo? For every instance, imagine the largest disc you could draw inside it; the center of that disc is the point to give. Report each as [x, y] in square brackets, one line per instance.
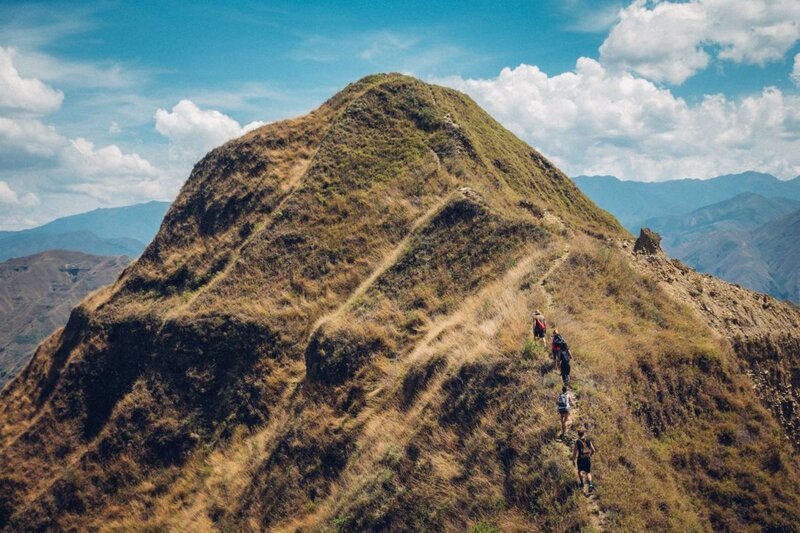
[31, 147]
[671, 41]
[27, 141]
[193, 131]
[110, 175]
[596, 121]
[20, 95]
[107, 161]
[24, 139]
[9, 197]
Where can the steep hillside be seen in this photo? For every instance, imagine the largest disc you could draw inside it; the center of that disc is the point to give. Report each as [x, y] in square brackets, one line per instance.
[37, 294]
[635, 202]
[109, 231]
[329, 333]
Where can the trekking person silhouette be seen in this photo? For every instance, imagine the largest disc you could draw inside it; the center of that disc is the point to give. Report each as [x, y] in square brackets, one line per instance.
[563, 361]
[582, 458]
[557, 344]
[564, 404]
[539, 327]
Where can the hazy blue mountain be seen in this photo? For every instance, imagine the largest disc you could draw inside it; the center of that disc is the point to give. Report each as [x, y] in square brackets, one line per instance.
[730, 255]
[108, 231]
[744, 228]
[778, 241]
[749, 239]
[744, 212]
[634, 202]
[765, 259]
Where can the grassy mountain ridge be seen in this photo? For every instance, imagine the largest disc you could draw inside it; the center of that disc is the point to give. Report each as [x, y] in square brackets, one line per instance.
[329, 332]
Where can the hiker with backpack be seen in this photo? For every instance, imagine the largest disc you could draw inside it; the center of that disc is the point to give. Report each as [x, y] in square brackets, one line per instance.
[556, 346]
[582, 458]
[539, 327]
[564, 404]
[562, 357]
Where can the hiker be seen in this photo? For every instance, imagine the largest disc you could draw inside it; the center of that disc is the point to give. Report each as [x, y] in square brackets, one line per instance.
[539, 327]
[563, 402]
[557, 345]
[582, 458]
[563, 361]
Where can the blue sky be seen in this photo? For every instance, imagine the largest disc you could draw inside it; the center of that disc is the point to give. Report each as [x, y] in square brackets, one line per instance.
[110, 103]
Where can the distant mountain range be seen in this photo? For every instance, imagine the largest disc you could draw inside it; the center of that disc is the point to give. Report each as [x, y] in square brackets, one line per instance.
[108, 231]
[37, 294]
[744, 228]
[743, 212]
[634, 202]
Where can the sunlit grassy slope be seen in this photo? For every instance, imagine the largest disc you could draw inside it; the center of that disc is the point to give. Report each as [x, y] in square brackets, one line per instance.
[329, 333]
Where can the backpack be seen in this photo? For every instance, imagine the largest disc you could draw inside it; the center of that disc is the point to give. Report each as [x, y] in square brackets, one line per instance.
[565, 356]
[540, 325]
[560, 342]
[563, 400]
[584, 445]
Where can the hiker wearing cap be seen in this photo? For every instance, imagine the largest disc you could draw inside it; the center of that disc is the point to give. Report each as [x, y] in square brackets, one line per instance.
[564, 404]
[582, 458]
[539, 327]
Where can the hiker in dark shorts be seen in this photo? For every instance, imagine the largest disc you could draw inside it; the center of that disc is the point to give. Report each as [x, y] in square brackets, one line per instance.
[564, 404]
[582, 458]
[539, 327]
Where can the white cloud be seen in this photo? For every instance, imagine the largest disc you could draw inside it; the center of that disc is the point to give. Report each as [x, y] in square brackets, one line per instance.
[795, 75]
[670, 41]
[20, 95]
[112, 176]
[7, 194]
[27, 140]
[106, 173]
[82, 157]
[9, 197]
[193, 131]
[594, 121]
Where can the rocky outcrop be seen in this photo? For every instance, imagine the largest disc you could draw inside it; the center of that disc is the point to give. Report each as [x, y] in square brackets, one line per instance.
[648, 243]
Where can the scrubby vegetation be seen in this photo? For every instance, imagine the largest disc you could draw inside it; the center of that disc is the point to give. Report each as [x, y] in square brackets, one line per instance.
[330, 333]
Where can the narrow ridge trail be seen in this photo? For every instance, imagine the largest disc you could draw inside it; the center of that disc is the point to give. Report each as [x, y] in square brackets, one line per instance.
[542, 282]
[597, 516]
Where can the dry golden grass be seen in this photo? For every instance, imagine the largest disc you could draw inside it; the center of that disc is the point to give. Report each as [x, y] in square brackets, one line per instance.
[330, 333]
